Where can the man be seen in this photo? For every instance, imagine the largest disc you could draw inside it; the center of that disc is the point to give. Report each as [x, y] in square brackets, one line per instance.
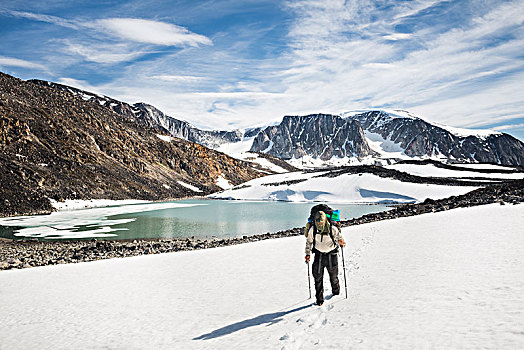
[320, 240]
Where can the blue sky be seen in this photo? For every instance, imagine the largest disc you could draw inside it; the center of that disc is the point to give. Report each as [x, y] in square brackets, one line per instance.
[234, 64]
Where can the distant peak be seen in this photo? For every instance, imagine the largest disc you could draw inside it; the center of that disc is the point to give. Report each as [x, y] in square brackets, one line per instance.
[392, 113]
[403, 114]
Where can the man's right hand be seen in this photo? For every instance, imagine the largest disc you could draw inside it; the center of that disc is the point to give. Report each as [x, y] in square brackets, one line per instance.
[307, 259]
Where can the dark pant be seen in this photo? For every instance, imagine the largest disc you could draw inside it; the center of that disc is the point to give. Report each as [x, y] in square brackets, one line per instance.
[330, 262]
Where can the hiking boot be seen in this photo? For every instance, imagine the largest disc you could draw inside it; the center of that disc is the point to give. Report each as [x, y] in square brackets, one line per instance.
[319, 303]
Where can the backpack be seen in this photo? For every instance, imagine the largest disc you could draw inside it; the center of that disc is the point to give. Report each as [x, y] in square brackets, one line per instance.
[333, 217]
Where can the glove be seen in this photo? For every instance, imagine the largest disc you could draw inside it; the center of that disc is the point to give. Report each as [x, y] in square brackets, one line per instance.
[307, 259]
[342, 243]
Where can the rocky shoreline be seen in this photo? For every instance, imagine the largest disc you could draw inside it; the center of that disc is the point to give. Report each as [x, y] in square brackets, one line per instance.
[29, 253]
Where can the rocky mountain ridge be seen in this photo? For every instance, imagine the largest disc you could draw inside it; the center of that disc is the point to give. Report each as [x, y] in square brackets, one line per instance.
[151, 116]
[419, 138]
[372, 136]
[379, 135]
[317, 135]
[61, 145]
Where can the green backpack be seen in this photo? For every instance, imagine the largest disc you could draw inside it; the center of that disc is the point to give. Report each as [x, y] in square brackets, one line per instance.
[332, 215]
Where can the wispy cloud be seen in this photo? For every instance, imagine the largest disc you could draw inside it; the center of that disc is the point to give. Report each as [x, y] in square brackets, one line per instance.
[361, 69]
[103, 53]
[457, 63]
[43, 18]
[123, 31]
[510, 126]
[150, 32]
[179, 78]
[15, 62]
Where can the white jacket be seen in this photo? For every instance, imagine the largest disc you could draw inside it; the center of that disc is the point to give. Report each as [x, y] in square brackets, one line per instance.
[323, 243]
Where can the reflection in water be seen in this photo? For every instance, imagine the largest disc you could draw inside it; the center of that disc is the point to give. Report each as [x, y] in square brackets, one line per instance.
[199, 218]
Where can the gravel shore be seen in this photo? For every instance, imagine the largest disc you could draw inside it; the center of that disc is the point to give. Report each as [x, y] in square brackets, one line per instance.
[29, 253]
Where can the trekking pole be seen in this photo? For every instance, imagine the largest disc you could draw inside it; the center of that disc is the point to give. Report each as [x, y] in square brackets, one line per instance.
[344, 267]
[309, 280]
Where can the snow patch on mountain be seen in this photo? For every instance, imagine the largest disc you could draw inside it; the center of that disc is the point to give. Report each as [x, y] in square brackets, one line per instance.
[191, 187]
[164, 138]
[403, 114]
[240, 150]
[393, 113]
[223, 183]
[385, 147]
[460, 132]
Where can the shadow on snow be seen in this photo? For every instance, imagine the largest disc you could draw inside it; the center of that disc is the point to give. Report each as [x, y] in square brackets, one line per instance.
[270, 319]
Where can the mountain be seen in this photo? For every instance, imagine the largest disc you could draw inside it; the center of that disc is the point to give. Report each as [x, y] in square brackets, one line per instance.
[378, 136]
[150, 116]
[370, 136]
[224, 141]
[321, 136]
[412, 136]
[59, 144]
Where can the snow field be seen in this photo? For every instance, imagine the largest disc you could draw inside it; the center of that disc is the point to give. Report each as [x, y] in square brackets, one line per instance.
[447, 280]
[347, 188]
[429, 170]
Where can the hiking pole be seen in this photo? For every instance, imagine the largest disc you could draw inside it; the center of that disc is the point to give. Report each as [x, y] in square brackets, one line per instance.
[309, 280]
[344, 267]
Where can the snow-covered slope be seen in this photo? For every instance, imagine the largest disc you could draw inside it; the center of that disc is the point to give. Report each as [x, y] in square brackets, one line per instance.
[400, 134]
[430, 170]
[381, 137]
[406, 115]
[346, 188]
[435, 281]
[240, 150]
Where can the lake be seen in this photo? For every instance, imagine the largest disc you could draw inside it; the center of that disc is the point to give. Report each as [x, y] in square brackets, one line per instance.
[200, 218]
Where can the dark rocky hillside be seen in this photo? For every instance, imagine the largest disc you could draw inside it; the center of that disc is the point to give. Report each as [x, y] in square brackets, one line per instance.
[148, 115]
[55, 144]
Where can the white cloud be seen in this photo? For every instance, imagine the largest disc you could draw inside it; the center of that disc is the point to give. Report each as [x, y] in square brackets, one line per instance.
[179, 78]
[16, 62]
[441, 76]
[43, 18]
[150, 32]
[103, 53]
[397, 36]
[341, 55]
[510, 126]
[131, 36]
[134, 29]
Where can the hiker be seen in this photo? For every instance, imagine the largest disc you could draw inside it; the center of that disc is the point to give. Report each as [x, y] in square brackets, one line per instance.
[321, 239]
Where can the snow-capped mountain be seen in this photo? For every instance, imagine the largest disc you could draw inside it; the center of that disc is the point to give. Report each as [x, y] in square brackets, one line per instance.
[379, 136]
[322, 136]
[366, 136]
[408, 135]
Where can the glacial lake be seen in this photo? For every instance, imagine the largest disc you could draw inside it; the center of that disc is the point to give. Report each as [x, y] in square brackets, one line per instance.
[200, 218]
